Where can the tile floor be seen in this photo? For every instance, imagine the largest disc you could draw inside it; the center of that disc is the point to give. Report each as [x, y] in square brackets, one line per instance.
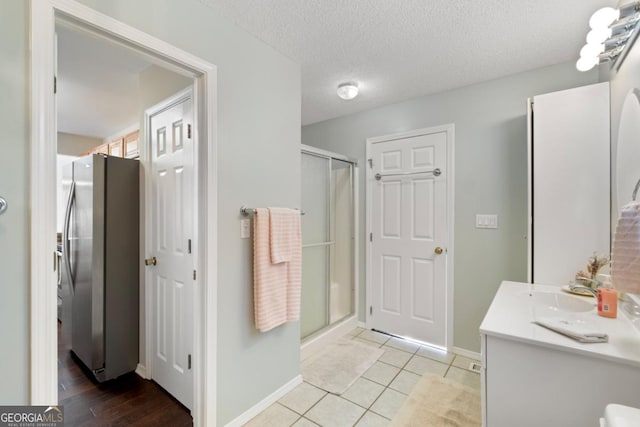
[376, 396]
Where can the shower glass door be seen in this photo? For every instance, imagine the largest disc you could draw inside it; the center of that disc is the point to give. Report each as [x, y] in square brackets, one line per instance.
[315, 243]
[327, 241]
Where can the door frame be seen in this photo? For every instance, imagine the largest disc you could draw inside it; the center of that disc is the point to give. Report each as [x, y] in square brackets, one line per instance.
[43, 334]
[146, 371]
[450, 131]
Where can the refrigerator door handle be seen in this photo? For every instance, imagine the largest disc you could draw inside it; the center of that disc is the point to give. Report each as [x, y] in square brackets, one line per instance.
[67, 246]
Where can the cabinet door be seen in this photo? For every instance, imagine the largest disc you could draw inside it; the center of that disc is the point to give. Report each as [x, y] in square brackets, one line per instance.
[571, 179]
[101, 149]
[115, 148]
[131, 145]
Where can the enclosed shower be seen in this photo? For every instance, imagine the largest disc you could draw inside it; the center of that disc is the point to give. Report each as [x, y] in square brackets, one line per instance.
[328, 240]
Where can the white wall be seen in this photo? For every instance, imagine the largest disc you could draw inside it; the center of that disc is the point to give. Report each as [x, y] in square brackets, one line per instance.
[259, 165]
[74, 145]
[155, 84]
[491, 175]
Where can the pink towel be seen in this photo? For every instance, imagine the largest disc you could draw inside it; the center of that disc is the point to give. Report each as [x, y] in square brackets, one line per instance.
[284, 229]
[625, 255]
[276, 287]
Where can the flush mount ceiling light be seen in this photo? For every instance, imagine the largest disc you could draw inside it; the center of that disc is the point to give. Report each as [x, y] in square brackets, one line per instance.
[348, 91]
[611, 29]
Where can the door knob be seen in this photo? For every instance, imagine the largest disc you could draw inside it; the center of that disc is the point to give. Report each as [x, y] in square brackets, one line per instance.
[438, 250]
[150, 261]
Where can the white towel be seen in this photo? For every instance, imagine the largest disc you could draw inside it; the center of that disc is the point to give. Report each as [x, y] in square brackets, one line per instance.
[625, 255]
[576, 329]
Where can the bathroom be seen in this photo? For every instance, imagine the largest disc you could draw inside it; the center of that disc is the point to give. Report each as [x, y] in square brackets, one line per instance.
[259, 165]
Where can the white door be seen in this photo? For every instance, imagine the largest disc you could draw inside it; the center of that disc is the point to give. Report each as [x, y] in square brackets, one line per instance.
[171, 229]
[409, 235]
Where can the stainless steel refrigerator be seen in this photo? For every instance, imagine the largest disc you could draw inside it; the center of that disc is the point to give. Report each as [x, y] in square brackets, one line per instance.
[101, 258]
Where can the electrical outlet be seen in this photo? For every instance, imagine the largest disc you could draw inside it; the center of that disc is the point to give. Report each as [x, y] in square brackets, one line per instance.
[486, 221]
[245, 228]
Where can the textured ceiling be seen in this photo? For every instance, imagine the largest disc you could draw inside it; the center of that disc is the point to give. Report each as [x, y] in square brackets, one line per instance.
[400, 49]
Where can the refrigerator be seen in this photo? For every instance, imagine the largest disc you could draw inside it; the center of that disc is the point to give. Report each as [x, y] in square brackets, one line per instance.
[100, 248]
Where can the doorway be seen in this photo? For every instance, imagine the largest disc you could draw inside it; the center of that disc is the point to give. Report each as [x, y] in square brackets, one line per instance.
[45, 16]
[328, 240]
[120, 84]
[410, 224]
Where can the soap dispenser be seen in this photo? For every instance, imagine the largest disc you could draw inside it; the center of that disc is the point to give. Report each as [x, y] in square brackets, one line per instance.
[607, 302]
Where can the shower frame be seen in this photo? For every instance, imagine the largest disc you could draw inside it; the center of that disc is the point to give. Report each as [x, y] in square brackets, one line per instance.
[339, 327]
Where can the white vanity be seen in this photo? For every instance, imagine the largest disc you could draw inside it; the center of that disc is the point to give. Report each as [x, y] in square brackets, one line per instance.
[536, 377]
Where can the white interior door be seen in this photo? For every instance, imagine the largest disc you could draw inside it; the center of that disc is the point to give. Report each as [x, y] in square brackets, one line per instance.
[409, 236]
[171, 230]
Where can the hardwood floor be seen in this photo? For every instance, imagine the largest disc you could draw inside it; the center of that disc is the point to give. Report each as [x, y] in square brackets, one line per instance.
[126, 401]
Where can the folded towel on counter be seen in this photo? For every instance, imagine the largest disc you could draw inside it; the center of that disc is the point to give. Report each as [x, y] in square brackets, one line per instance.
[579, 330]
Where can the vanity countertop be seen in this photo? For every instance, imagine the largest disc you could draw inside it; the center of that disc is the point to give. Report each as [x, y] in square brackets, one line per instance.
[512, 312]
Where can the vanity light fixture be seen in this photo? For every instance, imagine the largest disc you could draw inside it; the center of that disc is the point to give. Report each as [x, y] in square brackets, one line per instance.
[611, 29]
[348, 90]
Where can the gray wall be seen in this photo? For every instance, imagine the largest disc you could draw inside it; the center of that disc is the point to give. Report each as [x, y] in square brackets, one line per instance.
[76, 145]
[490, 176]
[14, 186]
[258, 159]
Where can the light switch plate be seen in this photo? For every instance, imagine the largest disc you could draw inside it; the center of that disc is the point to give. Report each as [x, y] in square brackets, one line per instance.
[245, 228]
[486, 221]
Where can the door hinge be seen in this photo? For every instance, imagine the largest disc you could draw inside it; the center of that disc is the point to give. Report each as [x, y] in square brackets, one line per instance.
[194, 275]
[371, 237]
[55, 84]
[189, 362]
[370, 163]
[55, 261]
[189, 246]
[370, 310]
[189, 131]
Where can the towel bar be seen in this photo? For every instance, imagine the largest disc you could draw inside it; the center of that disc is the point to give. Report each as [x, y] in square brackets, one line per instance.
[245, 211]
[635, 191]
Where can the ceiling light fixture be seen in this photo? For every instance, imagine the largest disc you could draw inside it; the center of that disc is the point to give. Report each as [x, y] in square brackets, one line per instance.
[348, 91]
[604, 17]
[611, 29]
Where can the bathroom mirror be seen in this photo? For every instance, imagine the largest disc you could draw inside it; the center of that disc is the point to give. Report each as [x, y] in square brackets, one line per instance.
[625, 130]
[627, 171]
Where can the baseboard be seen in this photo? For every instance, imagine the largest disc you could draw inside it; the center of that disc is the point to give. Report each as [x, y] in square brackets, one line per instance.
[361, 325]
[141, 370]
[265, 403]
[466, 353]
[316, 343]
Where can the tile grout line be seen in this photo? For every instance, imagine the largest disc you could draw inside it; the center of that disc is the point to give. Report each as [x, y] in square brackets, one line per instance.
[387, 387]
[385, 347]
[326, 393]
